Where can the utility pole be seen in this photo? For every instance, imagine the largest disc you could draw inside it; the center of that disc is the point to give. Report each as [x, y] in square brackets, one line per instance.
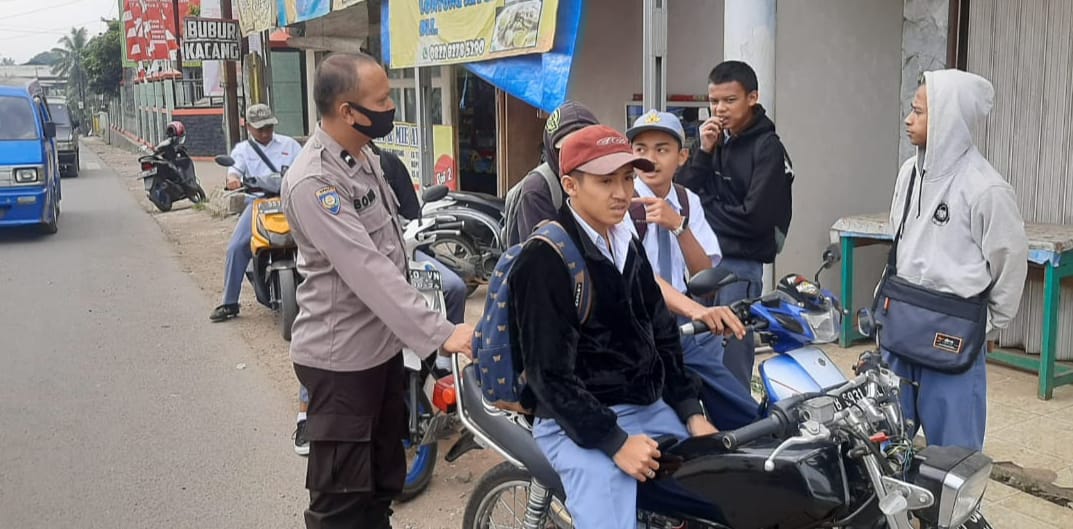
[230, 87]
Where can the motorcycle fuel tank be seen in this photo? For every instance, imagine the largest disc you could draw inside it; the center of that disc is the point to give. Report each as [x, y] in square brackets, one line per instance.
[802, 370]
[807, 486]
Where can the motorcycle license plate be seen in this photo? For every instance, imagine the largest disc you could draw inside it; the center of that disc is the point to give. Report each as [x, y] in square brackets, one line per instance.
[426, 280]
[849, 398]
[148, 172]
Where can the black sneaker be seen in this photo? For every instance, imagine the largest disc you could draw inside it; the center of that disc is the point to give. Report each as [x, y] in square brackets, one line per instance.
[224, 312]
[301, 442]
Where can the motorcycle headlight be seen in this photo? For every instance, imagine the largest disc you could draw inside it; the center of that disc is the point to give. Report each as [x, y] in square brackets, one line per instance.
[25, 175]
[957, 477]
[824, 324]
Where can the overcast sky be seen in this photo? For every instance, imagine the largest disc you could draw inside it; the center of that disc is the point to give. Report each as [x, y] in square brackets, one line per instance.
[28, 27]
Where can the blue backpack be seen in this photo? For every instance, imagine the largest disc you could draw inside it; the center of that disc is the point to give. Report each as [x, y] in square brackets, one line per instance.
[500, 367]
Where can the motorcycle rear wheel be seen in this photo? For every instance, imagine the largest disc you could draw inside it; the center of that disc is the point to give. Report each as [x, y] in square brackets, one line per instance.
[288, 302]
[502, 480]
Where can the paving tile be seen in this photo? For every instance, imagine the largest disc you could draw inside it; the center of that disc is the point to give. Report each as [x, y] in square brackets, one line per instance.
[998, 491]
[1026, 457]
[1047, 435]
[1039, 509]
[1001, 416]
[1065, 478]
[1003, 517]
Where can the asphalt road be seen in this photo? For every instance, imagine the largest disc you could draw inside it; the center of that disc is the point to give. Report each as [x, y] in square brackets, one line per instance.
[120, 405]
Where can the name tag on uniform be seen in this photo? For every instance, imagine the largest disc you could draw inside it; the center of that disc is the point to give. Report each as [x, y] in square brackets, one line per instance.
[364, 202]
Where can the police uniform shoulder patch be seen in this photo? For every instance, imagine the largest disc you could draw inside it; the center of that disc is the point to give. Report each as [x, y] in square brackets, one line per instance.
[329, 199]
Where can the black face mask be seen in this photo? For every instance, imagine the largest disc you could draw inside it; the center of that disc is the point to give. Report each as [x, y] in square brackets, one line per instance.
[381, 123]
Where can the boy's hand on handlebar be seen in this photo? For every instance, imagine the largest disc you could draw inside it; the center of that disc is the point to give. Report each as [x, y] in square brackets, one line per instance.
[720, 320]
[698, 425]
[637, 457]
[460, 341]
[232, 183]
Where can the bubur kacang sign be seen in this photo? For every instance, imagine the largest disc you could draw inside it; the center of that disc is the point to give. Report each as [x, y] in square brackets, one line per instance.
[211, 39]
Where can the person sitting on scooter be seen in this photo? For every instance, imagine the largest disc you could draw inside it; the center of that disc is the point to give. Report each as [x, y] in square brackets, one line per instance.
[454, 289]
[262, 155]
[603, 389]
[677, 237]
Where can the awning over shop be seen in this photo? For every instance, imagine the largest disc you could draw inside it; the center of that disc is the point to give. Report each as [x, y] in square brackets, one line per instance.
[339, 31]
[540, 80]
[446, 33]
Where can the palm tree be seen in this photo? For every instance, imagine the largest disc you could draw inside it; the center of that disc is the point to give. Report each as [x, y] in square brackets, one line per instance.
[69, 62]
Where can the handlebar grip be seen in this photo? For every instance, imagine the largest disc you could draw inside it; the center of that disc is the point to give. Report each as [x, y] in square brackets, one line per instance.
[693, 327]
[453, 225]
[770, 425]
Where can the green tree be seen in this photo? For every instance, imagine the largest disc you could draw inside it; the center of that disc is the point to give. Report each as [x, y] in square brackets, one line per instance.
[103, 61]
[71, 64]
[45, 58]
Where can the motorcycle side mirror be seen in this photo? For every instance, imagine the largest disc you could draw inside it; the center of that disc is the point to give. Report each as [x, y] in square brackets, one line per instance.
[866, 322]
[434, 193]
[708, 282]
[224, 160]
[832, 255]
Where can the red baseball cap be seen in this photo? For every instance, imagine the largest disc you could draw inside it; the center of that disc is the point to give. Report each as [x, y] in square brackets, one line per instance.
[599, 149]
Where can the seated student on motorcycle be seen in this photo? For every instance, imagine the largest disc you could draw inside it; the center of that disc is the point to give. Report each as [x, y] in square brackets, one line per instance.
[281, 151]
[680, 247]
[454, 289]
[603, 390]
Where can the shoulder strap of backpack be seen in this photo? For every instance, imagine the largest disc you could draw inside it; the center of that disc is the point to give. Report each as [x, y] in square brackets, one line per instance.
[554, 235]
[554, 187]
[639, 217]
[683, 199]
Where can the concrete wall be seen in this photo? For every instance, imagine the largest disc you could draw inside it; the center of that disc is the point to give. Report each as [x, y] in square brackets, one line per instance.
[609, 58]
[838, 78]
[204, 135]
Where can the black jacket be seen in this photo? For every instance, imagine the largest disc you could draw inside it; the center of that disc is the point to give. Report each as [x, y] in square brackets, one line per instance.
[398, 177]
[627, 352]
[745, 188]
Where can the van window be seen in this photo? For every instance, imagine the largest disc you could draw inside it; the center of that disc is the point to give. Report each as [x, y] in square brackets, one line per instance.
[16, 119]
[60, 116]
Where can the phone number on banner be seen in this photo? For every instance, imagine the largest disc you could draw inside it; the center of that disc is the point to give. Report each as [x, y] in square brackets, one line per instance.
[455, 50]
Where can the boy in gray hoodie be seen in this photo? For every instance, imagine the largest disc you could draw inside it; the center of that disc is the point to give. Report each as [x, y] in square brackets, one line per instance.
[963, 234]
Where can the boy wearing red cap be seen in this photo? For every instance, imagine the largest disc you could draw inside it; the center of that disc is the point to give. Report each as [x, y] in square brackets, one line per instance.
[603, 389]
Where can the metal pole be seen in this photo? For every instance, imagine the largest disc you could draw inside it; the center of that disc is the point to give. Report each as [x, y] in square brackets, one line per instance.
[230, 88]
[178, 37]
[423, 84]
[655, 51]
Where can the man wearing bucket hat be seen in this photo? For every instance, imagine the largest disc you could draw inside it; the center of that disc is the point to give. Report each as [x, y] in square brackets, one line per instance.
[263, 154]
[599, 400]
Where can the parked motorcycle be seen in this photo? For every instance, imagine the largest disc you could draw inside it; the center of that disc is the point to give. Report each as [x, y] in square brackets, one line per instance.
[273, 270]
[474, 251]
[432, 416]
[168, 172]
[838, 456]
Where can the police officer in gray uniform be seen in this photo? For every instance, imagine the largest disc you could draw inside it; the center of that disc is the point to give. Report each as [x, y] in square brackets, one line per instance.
[356, 309]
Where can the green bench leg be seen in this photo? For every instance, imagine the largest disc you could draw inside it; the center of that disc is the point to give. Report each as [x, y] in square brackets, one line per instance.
[849, 329]
[1052, 290]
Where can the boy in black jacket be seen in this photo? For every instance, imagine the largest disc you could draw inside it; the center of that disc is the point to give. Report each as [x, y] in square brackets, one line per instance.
[743, 177]
[605, 388]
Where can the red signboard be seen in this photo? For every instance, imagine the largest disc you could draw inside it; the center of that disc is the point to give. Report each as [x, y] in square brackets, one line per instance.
[150, 27]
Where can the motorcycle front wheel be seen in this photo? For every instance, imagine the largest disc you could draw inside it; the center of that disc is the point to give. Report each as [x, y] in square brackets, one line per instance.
[195, 193]
[288, 302]
[420, 459]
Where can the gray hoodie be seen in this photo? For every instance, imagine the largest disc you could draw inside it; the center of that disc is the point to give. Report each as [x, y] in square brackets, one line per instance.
[964, 231]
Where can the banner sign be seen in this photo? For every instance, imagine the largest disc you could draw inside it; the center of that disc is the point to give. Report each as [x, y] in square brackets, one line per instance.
[255, 16]
[294, 11]
[434, 32]
[149, 28]
[211, 39]
[403, 142]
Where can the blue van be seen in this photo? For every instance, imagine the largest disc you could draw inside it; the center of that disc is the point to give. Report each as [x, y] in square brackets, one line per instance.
[29, 169]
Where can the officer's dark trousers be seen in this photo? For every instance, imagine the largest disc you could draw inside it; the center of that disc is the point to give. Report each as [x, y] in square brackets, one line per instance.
[356, 423]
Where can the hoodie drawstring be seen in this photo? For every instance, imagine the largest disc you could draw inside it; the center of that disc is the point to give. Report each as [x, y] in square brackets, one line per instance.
[920, 193]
